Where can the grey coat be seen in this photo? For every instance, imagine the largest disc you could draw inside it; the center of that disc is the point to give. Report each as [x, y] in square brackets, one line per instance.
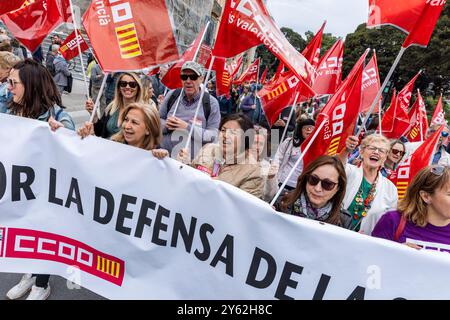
[61, 71]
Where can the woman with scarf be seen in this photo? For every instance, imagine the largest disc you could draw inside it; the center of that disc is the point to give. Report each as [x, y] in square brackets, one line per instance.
[319, 193]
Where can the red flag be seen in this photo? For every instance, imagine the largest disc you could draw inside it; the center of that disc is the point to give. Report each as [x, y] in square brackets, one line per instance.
[438, 115]
[404, 96]
[418, 121]
[69, 48]
[339, 116]
[246, 24]
[35, 20]
[421, 158]
[277, 74]
[264, 76]
[250, 75]
[277, 96]
[395, 121]
[172, 78]
[415, 17]
[122, 37]
[312, 50]
[7, 6]
[329, 73]
[223, 79]
[234, 66]
[370, 86]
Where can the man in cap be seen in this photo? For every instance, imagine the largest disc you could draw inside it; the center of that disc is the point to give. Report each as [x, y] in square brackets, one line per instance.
[176, 127]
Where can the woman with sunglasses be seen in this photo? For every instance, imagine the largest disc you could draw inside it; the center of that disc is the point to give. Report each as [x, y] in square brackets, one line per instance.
[7, 61]
[35, 96]
[395, 155]
[422, 219]
[369, 194]
[319, 193]
[128, 90]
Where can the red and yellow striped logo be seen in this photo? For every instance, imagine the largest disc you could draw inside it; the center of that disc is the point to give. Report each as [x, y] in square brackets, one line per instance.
[282, 88]
[401, 188]
[414, 133]
[334, 145]
[128, 41]
[108, 266]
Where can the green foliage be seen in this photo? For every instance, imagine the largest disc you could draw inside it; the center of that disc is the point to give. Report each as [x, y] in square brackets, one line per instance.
[434, 59]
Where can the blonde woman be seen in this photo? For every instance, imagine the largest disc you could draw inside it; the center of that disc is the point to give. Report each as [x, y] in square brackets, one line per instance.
[7, 61]
[422, 219]
[368, 194]
[140, 128]
[128, 90]
[149, 93]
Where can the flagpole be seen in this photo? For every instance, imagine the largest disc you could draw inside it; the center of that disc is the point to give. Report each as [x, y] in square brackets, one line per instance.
[79, 49]
[298, 162]
[201, 41]
[289, 118]
[100, 93]
[200, 101]
[420, 119]
[195, 57]
[386, 80]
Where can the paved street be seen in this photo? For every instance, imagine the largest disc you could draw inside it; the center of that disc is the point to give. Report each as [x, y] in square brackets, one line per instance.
[75, 106]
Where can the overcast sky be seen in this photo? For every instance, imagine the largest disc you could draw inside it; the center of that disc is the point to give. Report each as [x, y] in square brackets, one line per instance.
[343, 16]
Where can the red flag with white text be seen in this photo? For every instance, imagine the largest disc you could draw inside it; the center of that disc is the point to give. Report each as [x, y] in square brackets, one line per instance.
[35, 20]
[370, 86]
[312, 50]
[122, 37]
[69, 48]
[246, 24]
[438, 114]
[339, 115]
[408, 169]
[415, 17]
[329, 72]
[233, 66]
[264, 76]
[249, 75]
[275, 97]
[172, 78]
[418, 121]
[404, 96]
[7, 6]
[223, 79]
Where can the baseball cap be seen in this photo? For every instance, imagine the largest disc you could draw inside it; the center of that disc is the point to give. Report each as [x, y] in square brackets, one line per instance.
[194, 66]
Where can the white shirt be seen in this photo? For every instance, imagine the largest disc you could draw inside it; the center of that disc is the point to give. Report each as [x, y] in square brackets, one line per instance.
[385, 196]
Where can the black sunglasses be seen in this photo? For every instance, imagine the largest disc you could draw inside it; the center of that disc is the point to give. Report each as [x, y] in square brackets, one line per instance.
[193, 77]
[395, 152]
[326, 184]
[131, 84]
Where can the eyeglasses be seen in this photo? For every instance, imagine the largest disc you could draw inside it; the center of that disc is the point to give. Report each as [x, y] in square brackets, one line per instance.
[193, 77]
[13, 83]
[308, 128]
[396, 152]
[326, 184]
[131, 84]
[437, 170]
[380, 150]
[444, 134]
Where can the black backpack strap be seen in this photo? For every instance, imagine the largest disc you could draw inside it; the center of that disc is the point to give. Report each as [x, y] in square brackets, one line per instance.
[173, 97]
[206, 106]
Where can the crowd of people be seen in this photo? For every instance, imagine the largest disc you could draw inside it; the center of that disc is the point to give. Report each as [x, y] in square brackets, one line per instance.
[231, 141]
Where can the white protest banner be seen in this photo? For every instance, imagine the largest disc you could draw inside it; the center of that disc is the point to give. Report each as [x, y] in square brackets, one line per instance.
[141, 228]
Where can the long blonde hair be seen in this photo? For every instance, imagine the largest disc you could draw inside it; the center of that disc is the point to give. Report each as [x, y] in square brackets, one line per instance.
[152, 125]
[117, 103]
[412, 206]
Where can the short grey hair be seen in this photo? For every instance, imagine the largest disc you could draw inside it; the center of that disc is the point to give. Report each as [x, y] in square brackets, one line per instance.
[55, 47]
